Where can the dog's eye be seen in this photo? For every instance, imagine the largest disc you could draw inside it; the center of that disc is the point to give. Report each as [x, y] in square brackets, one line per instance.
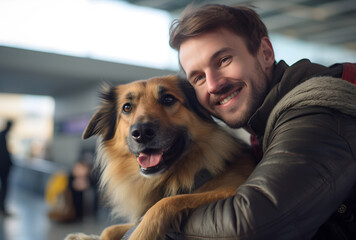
[168, 100]
[127, 108]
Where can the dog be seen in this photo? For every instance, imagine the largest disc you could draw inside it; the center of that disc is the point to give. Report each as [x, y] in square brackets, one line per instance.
[156, 144]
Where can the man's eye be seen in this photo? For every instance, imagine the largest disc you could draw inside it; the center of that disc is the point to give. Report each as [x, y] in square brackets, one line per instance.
[127, 108]
[197, 79]
[168, 100]
[225, 60]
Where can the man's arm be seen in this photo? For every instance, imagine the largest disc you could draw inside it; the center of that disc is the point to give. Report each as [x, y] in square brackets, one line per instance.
[307, 170]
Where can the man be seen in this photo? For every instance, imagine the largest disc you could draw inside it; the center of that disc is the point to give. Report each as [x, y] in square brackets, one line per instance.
[303, 116]
[5, 166]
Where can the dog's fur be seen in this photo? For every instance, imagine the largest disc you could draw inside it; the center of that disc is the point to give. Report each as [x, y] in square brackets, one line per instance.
[140, 121]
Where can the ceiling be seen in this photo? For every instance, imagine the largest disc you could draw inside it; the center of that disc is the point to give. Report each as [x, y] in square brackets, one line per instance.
[32, 72]
[320, 21]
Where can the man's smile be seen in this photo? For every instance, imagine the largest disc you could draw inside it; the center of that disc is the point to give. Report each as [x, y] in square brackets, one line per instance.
[231, 96]
[230, 92]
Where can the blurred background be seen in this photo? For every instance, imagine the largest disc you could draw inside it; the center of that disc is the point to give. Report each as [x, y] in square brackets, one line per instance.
[55, 54]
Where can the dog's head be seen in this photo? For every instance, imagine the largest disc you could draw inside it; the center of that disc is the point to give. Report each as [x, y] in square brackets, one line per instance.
[153, 119]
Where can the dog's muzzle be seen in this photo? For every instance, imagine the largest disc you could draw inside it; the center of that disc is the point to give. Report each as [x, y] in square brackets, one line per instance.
[156, 147]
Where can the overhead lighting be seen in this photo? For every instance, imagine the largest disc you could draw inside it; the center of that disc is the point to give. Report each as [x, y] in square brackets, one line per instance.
[107, 30]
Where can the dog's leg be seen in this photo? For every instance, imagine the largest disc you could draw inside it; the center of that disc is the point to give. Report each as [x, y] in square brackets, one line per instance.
[115, 232]
[167, 212]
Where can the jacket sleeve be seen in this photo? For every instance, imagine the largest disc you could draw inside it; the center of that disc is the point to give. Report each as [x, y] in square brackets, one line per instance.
[307, 170]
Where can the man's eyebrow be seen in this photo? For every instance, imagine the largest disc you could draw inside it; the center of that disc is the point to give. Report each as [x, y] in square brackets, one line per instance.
[213, 57]
[218, 53]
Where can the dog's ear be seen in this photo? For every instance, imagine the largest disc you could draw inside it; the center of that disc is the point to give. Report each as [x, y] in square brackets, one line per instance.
[192, 101]
[103, 122]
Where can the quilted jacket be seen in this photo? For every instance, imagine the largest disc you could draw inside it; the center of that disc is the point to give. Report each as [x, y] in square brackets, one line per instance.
[308, 166]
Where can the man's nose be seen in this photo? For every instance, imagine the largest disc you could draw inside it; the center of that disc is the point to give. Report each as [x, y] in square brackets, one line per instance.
[214, 81]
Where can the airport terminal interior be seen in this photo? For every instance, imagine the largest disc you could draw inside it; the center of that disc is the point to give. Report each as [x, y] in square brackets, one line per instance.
[54, 58]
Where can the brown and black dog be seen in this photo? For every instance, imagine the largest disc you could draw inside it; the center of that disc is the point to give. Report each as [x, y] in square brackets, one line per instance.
[155, 141]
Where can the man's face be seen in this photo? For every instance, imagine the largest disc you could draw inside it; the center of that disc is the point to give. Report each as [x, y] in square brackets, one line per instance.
[229, 81]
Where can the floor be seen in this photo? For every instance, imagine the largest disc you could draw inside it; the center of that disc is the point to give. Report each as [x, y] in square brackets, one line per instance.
[29, 221]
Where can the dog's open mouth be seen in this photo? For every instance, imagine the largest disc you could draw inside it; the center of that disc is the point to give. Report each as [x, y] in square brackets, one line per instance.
[150, 158]
[153, 161]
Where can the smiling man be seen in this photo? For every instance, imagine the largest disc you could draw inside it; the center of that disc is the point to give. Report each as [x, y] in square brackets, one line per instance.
[227, 78]
[302, 118]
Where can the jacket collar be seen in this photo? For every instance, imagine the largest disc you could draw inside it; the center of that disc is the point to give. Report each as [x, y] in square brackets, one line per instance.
[284, 79]
[258, 120]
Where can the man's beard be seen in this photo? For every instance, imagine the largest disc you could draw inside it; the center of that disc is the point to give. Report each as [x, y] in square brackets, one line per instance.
[257, 99]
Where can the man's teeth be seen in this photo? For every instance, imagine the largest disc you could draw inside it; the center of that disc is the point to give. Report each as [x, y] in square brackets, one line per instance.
[225, 100]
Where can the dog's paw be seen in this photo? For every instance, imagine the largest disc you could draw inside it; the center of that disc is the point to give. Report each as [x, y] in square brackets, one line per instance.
[81, 236]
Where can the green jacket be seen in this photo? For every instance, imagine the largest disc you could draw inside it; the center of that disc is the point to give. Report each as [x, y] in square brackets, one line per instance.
[308, 167]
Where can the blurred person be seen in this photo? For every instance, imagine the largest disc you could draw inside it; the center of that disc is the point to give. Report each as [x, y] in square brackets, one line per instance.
[302, 121]
[5, 166]
[66, 192]
[80, 180]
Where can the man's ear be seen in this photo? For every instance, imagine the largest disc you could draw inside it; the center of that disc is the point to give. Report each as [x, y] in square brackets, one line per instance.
[266, 54]
[103, 122]
[192, 102]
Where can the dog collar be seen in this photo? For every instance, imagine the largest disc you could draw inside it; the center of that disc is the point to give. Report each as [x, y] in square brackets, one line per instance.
[201, 178]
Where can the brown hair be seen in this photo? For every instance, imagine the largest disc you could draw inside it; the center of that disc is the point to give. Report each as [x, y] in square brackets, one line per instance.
[240, 20]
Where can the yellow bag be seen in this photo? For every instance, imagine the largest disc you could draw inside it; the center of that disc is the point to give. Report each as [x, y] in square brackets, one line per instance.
[56, 185]
[59, 197]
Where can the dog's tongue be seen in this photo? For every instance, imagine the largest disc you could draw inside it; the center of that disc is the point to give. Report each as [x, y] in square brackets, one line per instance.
[148, 160]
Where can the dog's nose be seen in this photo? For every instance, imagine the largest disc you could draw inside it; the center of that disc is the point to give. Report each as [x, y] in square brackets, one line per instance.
[143, 132]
